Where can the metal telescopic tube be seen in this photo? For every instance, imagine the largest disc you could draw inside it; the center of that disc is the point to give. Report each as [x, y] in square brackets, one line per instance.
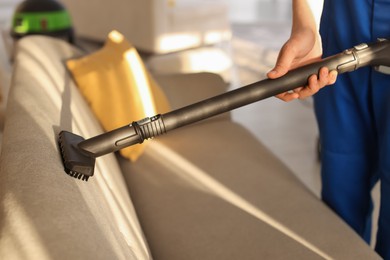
[254, 92]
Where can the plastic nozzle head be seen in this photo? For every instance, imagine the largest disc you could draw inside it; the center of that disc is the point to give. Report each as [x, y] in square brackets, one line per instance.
[76, 163]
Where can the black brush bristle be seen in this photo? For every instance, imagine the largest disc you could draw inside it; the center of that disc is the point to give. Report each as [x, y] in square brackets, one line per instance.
[76, 162]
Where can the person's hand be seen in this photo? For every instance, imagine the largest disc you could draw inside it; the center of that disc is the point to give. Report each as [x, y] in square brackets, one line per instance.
[302, 48]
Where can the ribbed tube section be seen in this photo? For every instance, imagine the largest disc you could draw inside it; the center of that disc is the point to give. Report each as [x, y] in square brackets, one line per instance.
[151, 127]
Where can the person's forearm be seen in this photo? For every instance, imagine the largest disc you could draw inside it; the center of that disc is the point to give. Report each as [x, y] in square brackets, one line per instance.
[303, 17]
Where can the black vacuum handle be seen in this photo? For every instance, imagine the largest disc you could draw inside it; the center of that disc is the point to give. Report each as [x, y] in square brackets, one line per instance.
[375, 54]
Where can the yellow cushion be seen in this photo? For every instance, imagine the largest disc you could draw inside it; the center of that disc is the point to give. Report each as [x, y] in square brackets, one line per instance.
[118, 87]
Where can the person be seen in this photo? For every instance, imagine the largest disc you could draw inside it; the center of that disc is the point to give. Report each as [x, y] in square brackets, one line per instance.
[353, 115]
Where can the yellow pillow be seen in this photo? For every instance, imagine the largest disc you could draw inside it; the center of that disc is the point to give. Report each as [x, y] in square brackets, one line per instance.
[118, 87]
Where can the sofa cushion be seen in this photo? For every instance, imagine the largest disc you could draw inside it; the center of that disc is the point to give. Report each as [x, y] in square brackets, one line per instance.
[44, 213]
[211, 190]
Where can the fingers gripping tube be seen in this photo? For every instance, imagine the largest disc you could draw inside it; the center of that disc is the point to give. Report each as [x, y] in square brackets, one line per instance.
[135, 133]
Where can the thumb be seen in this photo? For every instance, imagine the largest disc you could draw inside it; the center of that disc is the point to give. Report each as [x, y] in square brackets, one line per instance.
[283, 63]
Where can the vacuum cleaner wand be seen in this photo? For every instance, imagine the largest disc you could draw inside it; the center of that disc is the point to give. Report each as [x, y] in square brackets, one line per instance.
[79, 154]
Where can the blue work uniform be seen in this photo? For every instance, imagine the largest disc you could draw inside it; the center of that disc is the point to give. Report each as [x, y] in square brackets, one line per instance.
[354, 120]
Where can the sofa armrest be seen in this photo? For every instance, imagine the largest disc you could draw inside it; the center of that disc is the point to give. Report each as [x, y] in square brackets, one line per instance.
[44, 213]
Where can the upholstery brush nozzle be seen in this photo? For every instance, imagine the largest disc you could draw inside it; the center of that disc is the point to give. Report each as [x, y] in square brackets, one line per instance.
[76, 163]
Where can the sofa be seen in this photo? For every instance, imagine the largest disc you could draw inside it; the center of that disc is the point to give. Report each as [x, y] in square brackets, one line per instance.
[210, 190]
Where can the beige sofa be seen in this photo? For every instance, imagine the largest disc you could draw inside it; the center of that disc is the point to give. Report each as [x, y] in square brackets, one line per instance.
[206, 191]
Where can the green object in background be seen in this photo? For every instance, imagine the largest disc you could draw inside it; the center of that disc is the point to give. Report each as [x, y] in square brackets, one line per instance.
[45, 17]
[24, 23]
